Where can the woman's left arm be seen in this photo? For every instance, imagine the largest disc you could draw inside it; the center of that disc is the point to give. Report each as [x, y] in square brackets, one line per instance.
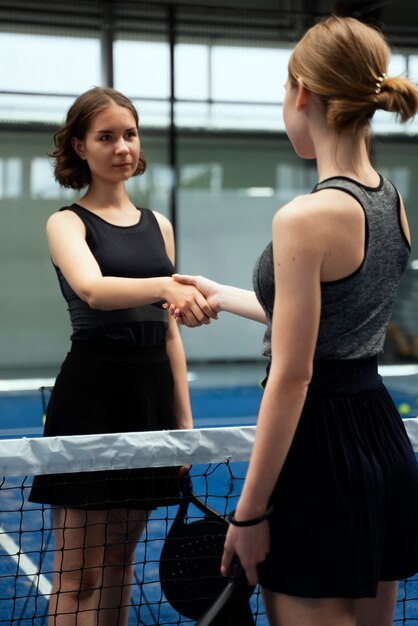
[178, 366]
[174, 344]
[298, 256]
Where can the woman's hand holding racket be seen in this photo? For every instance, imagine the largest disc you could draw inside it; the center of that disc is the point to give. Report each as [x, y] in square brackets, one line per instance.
[231, 607]
[251, 544]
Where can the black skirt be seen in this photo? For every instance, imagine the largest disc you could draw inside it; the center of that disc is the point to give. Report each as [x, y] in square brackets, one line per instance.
[346, 502]
[110, 388]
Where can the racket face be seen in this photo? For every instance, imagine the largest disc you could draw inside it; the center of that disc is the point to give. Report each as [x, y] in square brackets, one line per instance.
[190, 567]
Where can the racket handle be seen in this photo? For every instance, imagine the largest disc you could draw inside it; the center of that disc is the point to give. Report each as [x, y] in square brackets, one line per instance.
[236, 579]
[220, 602]
[236, 572]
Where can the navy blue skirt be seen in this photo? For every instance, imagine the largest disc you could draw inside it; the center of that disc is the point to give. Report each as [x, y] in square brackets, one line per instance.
[110, 388]
[346, 501]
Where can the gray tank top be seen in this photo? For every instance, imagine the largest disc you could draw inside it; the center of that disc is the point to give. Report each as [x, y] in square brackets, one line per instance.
[355, 310]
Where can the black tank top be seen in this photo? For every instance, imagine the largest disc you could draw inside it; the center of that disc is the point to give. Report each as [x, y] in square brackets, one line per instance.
[355, 310]
[136, 251]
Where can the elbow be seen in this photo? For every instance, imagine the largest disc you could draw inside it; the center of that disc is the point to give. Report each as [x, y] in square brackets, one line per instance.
[93, 293]
[299, 382]
[98, 305]
[293, 376]
[93, 303]
[91, 298]
[304, 374]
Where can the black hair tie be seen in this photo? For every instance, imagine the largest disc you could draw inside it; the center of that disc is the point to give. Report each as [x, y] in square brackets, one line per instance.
[250, 522]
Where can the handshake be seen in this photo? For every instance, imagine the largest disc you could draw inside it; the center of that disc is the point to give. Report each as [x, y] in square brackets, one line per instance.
[193, 300]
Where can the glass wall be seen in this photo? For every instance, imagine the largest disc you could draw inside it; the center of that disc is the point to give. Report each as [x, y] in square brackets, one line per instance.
[45, 69]
[215, 127]
[229, 190]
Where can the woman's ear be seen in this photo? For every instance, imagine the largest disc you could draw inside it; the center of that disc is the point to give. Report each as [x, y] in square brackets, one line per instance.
[302, 97]
[78, 146]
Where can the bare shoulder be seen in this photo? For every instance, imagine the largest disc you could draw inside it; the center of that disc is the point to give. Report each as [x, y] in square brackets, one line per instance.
[314, 213]
[167, 233]
[64, 220]
[164, 223]
[309, 205]
[299, 213]
[293, 209]
[301, 229]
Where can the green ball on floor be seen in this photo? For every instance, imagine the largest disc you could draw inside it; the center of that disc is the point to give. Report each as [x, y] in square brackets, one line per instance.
[404, 408]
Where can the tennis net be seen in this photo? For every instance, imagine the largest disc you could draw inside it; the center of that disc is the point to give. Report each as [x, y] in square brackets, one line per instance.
[218, 459]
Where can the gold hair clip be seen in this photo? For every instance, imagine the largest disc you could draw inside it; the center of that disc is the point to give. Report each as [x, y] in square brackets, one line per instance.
[379, 82]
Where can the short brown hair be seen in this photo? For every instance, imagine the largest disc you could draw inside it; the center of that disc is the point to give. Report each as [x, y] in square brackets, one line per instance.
[71, 171]
[344, 62]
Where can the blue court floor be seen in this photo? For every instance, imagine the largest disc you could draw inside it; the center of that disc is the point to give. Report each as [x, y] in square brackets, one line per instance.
[222, 395]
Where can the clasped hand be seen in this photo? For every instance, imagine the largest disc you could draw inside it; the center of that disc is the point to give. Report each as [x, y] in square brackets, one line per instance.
[193, 300]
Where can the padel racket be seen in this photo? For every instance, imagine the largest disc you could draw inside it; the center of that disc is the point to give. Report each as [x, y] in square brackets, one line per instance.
[190, 563]
[231, 606]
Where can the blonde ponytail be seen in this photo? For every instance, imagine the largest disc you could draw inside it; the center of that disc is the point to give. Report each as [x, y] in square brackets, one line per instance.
[344, 62]
[400, 96]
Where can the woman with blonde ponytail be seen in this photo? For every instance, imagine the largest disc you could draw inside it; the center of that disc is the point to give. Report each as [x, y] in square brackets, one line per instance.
[345, 63]
[327, 521]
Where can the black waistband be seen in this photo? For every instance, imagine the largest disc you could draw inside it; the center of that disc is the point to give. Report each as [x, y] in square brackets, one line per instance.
[118, 351]
[343, 376]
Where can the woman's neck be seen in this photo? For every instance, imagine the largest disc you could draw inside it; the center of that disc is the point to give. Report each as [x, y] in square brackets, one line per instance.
[345, 155]
[101, 197]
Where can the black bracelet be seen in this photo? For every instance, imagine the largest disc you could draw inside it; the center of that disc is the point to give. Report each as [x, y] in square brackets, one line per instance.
[250, 522]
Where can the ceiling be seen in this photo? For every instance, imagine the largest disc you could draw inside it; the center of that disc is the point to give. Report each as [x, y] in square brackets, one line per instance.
[397, 18]
[286, 18]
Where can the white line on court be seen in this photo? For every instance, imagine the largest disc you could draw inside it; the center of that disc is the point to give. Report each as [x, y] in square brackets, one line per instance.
[25, 384]
[398, 370]
[34, 384]
[25, 564]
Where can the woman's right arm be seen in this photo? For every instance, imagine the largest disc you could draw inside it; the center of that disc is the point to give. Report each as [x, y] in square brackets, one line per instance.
[70, 252]
[242, 302]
